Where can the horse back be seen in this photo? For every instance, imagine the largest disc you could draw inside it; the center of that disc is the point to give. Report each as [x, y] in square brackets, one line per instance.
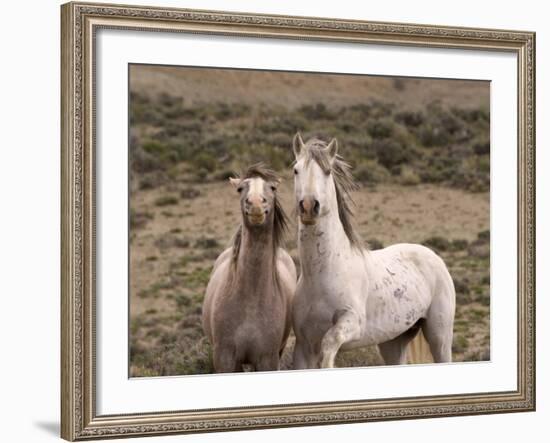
[403, 263]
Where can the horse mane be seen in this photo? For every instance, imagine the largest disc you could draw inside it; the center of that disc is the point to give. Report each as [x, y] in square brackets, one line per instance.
[280, 219]
[316, 150]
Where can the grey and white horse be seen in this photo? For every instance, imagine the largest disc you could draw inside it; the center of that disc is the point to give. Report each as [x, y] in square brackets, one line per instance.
[348, 296]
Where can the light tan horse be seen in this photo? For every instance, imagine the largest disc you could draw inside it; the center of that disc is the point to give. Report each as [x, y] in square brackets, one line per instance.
[349, 297]
[247, 306]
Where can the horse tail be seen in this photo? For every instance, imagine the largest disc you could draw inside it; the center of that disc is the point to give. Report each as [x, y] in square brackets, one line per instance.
[419, 350]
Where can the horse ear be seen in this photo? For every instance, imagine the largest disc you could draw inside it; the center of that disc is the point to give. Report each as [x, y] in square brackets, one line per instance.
[235, 182]
[332, 149]
[275, 184]
[297, 144]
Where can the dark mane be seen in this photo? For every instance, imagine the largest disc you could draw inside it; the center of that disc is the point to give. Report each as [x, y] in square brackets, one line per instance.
[280, 219]
[315, 149]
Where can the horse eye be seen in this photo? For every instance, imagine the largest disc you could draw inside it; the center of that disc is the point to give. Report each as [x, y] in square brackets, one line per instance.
[295, 171]
[239, 190]
[273, 188]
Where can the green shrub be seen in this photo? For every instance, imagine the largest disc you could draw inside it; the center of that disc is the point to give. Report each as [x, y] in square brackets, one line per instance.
[459, 245]
[318, 111]
[207, 243]
[166, 200]
[409, 177]
[139, 219]
[472, 115]
[482, 147]
[461, 285]
[484, 236]
[380, 109]
[437, 243]
[286, 124]
[375, 244]
[226, 111]
[189, 193]
[382, 128]
[391, 153]
[460, 343]
[205, 161]
[431, 135]
[168, 101]
[371, 172]
[410, 118]
[433, 144]
[182, 300]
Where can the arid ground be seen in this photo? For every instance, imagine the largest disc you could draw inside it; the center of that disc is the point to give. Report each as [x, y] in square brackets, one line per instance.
[419, 148]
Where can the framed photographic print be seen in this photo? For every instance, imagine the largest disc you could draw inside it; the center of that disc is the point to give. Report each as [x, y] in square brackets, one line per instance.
[282, 221]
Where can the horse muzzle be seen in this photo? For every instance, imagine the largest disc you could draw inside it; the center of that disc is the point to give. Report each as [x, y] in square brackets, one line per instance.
[256, 216]
[309, 209]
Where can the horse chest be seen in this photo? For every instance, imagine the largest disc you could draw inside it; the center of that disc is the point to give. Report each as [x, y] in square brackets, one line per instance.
[252, 319]
[316, 303]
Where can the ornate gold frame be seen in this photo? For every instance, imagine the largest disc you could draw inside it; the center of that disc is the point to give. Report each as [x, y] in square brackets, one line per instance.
[79, 21]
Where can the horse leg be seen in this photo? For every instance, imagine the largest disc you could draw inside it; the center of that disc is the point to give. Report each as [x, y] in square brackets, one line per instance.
[298, 357]
[267, 362]
[303, 358]
[394, 352]
[225, 361]
[346, 328]
[440, 338]
[438, 330]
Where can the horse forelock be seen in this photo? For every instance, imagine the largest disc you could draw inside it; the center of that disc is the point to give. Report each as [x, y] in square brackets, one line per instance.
[344, 183]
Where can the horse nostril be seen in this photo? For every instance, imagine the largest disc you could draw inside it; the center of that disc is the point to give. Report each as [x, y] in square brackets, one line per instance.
[264, 200]
[316, 207]
[247, 201]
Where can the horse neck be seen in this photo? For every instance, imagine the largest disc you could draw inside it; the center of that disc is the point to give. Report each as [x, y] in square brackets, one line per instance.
[318, 243]
[255, 262]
